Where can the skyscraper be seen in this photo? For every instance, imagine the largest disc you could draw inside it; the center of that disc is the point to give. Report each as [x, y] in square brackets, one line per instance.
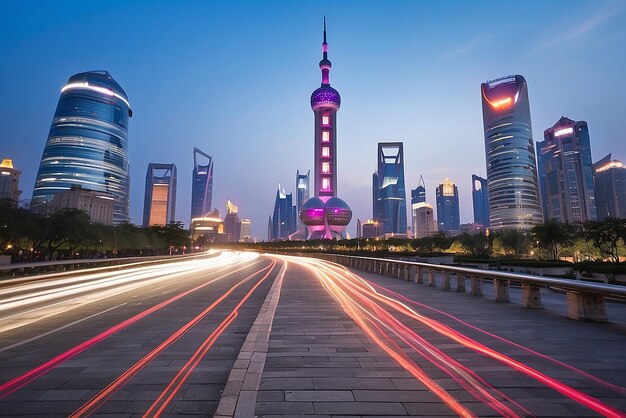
[160, 197]
[9, 181]
[232, 225]
[359, 228]
[389, 191]
[283, 219]
[424, 224]
[87, 144]
[302, 194]
[510, 155]
[480, 200]
[246, 231]
[448, 216]
[566, 172]
[418, 195]
[609, 180]
[325, 215]
[202, 185]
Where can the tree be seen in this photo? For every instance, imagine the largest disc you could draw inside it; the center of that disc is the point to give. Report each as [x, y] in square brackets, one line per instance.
[514, 240]
[478, 245]
[552, 236]
[606, 235]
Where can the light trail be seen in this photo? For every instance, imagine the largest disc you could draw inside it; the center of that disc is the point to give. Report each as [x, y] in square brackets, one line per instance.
[92, 405]
[164, 399]
[22, 380]
[363, 297]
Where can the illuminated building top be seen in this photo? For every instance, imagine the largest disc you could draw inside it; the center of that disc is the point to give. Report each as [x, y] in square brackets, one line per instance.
[325, 95]
[6, 163]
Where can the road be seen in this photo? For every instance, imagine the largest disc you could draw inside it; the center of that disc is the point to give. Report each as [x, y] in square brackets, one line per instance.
[242, 334]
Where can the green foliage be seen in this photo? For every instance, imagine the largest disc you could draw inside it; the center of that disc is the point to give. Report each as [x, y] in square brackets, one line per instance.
[607, 236]
[553, 236]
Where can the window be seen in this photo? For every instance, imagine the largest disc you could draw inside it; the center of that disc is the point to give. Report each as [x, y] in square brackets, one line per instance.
[325, 184]
[325, 152]
[325, 136]
[325, 120]
[325, 167]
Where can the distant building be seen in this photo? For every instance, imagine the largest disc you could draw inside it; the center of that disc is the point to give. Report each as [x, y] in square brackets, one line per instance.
[209, 227]
[283, 220]
[480, 200]
[388, 188]
[88, 143]
[98, 205]
[160, 196]
[359, 226]
[202, 185]
[610, 188]
[424, 224]
[372, 229]
[9, 181]
[566, 172]
[472, 229]
[418, 195]
[232, 225]
[302, 195]
[246, 231]
[510, 155]
[448, 215]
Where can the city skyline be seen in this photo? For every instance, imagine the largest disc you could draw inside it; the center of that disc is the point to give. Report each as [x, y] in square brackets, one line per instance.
[411, 114]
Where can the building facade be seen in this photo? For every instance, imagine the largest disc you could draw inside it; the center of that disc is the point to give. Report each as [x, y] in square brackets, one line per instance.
[372, 229]
[232, 225]
[98, 205]
[302, 194]
[448, 214]
[424, 224]
[202, 184]
[325, 215]
[160, 195]
[246, 230]
[480, 200]
[418, 195]
[388, 188]
[283, 219]
[609, 180]
[207, 229]
[87, 144]
[566, 172]
[9, 181]
[510, 155]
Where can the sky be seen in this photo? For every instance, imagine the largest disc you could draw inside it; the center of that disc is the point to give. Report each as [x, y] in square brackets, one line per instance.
[234, 79]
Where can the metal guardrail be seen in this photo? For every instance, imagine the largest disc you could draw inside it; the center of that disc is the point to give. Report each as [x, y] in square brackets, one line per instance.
[585, 301]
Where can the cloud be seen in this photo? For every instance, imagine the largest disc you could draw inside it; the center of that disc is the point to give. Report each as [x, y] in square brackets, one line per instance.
[461, 51]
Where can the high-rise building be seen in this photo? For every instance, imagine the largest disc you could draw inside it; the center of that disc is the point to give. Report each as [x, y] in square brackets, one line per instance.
[98, 205]
[372, 229]
[325, 215]
[389, 191]
[246, 231]
[566, 172]
[418, 195]
[302, 195]
[87, 144]
[480, 200]
[424, 224]
[232, 225]
[609, 181]
[202, 186]
[448, 216]
[208, 228]
[510, 155]
[160, 197]
[283, 220]
[9, 181]
[359, 228]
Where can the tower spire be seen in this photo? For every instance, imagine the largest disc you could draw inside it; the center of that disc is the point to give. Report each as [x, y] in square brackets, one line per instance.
[325, 62]
[324, 29]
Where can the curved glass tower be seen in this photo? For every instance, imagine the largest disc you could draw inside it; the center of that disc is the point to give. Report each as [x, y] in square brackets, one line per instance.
[510, 153]
[87, 144]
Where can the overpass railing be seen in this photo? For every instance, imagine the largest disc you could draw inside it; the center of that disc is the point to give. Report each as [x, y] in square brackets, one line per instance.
[585, 301]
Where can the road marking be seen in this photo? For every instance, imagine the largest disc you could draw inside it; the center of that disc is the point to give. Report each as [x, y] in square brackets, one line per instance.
[45, 334]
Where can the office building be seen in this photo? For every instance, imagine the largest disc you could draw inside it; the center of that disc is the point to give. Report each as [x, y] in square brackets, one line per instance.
[388, 189]
[424, 224]
[448, 216]
[160, 196]
[418, 195]
[87, 144]
[202, 184]
[510, 155]
[566, 172]
[372, 229]
[609, 181]
[208, 228]
[283, 220]
[98, 205]
[359, 228]
[480, 200]
[9, 182]
[246, 231]
[232, 225]
[302, 195]
[325, 215]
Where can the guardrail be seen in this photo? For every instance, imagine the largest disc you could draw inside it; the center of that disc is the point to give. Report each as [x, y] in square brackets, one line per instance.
[585, 301]
[13, 270]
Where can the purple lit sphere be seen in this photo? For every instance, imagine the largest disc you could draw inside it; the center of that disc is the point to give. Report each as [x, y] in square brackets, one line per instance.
[325, 96]
[337, 212]
[312, 212]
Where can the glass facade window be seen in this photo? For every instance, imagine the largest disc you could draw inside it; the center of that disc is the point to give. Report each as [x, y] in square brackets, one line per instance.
[325, 120]
[388, 191]
[202, 186]
[87, 144]
[325, 167]
[325, 183]
[325, 136]
[325, 152]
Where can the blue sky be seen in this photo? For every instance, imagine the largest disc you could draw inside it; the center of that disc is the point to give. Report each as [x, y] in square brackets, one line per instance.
[234, 79]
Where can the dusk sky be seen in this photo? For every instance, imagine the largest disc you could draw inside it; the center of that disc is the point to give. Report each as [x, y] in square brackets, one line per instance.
[235, 78]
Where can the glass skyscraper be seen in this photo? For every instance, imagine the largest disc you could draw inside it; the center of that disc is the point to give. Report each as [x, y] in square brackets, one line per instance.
[609, 180]
[202, 186]
[418, 195]
[510, 155]
[388, 188]
[480, 200]
[566, 172]
[302, 195]
[159, 206]
[87, 144]
[448, 215]
[283, 220]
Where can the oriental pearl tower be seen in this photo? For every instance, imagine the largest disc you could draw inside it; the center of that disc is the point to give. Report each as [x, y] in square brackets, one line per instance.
[325, 215]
